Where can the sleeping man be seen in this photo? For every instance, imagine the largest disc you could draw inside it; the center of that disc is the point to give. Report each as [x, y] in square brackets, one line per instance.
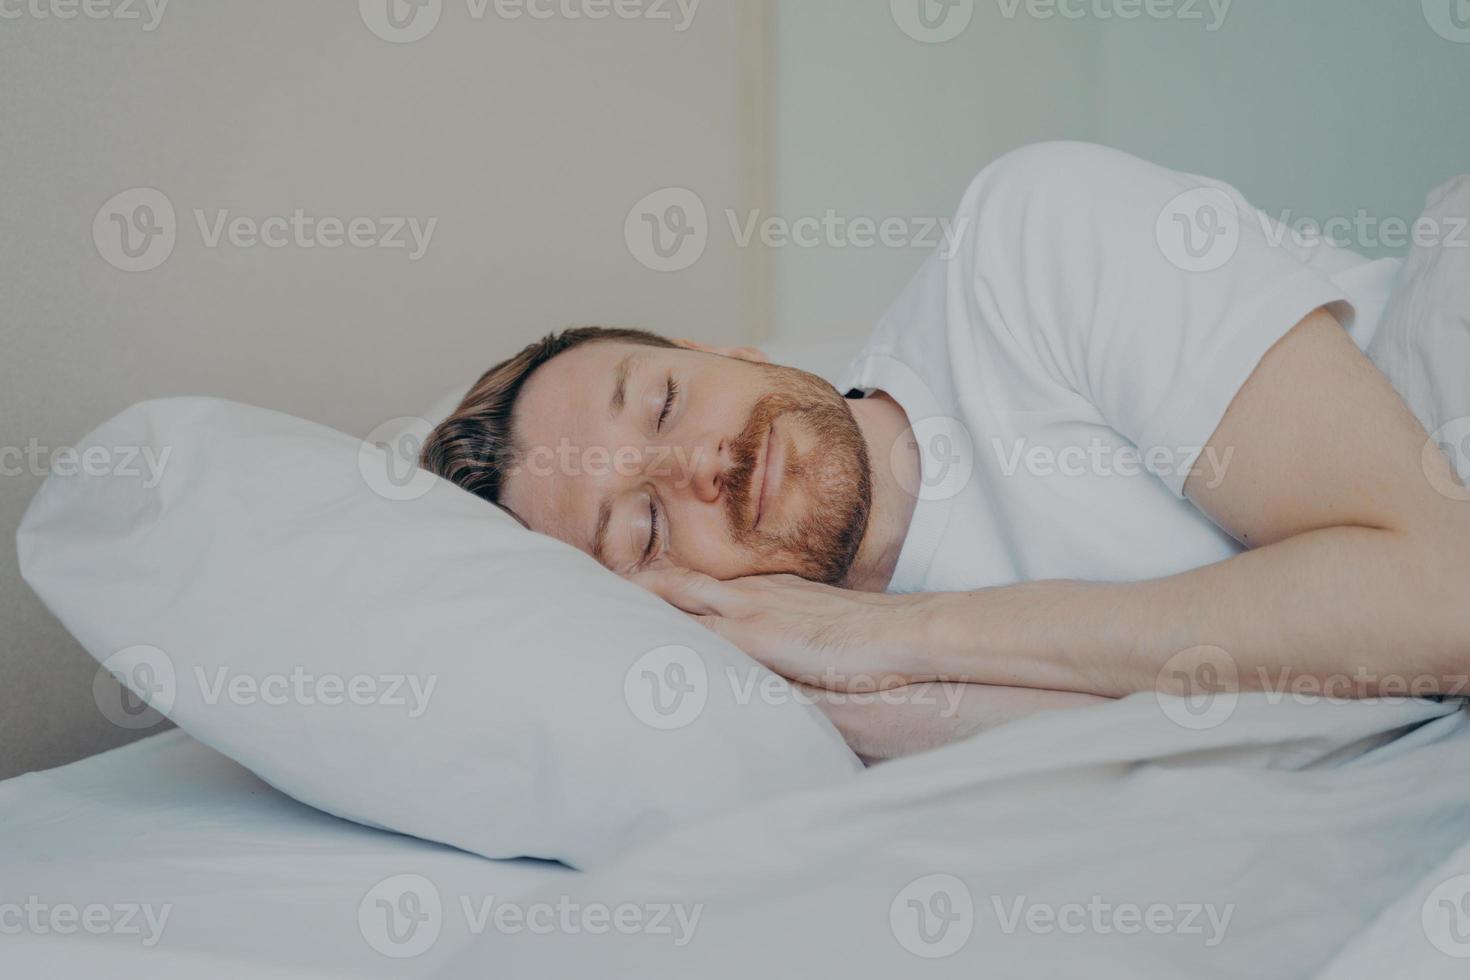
[1123, 437]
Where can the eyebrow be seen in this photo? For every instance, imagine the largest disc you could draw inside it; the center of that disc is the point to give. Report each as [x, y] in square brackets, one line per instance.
[620, 386]
[621, 374]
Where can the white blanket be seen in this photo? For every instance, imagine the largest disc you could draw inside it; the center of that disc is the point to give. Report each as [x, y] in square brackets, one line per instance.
[1106, 842]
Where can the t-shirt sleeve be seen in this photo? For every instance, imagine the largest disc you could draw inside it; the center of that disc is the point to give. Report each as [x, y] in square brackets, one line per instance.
[1151, 294]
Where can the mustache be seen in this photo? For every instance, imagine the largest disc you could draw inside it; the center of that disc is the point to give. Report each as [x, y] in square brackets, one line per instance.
[745, 453]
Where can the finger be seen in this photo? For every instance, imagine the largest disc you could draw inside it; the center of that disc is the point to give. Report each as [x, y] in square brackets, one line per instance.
[690, 591]
[753, 354]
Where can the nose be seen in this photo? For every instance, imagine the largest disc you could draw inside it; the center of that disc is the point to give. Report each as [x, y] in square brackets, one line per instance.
[699, 470]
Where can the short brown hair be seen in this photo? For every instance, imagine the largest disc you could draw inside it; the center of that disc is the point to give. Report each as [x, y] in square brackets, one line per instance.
[476, 447]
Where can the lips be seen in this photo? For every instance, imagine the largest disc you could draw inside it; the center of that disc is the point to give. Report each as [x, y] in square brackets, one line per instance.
[769, 471]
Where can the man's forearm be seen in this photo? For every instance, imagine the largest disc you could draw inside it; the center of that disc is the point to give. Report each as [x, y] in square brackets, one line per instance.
[1368, 605]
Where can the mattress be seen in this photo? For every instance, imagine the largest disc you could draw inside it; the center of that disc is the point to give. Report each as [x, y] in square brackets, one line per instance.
[165, 859]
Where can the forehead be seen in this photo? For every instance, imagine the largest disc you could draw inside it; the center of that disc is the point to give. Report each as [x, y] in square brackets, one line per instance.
[563, 411]
[570, 395]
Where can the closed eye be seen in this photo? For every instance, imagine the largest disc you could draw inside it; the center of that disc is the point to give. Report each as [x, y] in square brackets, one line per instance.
[654, 532]
[673, 392]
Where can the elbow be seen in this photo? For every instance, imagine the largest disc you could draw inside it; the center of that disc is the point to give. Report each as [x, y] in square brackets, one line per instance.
[1436, 624]
[1459, 599]
[1451, 613]
[1459, 659]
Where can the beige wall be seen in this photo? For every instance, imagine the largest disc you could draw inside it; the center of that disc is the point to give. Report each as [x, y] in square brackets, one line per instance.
[529, 140]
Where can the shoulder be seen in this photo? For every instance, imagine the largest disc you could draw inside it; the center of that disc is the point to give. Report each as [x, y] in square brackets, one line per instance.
[1069, 171]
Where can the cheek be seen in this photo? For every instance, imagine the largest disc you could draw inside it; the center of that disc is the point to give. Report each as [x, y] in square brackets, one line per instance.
[702, 544]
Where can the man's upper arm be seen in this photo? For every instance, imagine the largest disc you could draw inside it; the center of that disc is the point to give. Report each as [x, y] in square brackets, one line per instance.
[1318, 438]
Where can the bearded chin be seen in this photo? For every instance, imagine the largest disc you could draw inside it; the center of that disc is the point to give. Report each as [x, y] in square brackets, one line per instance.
[835, 477]
[832, 534]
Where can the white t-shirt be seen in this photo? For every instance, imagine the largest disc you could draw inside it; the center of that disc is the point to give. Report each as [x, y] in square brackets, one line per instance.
[1066, 365]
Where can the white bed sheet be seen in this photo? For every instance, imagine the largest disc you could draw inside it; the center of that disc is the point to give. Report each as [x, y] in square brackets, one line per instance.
[254, 884]
[1267, 844]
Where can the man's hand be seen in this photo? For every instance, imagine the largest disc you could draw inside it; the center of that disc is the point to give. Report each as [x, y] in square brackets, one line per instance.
[821, 636]
[856, 655]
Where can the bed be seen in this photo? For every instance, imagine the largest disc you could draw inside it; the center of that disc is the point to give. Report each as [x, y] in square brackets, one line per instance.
[240, 880]
[1291, 837]
[1295, 838]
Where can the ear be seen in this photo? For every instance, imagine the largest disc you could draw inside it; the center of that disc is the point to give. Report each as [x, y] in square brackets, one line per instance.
[752, 354]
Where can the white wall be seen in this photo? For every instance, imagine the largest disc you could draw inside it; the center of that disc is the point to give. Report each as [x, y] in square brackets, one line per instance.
[1321, 107]
[528, 140]
[1317, 107]
[872, 123]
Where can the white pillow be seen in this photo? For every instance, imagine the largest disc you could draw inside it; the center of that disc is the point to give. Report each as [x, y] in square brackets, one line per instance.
[270, 599]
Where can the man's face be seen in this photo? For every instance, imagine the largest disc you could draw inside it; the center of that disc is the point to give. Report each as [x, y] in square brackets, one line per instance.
[646, 457]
